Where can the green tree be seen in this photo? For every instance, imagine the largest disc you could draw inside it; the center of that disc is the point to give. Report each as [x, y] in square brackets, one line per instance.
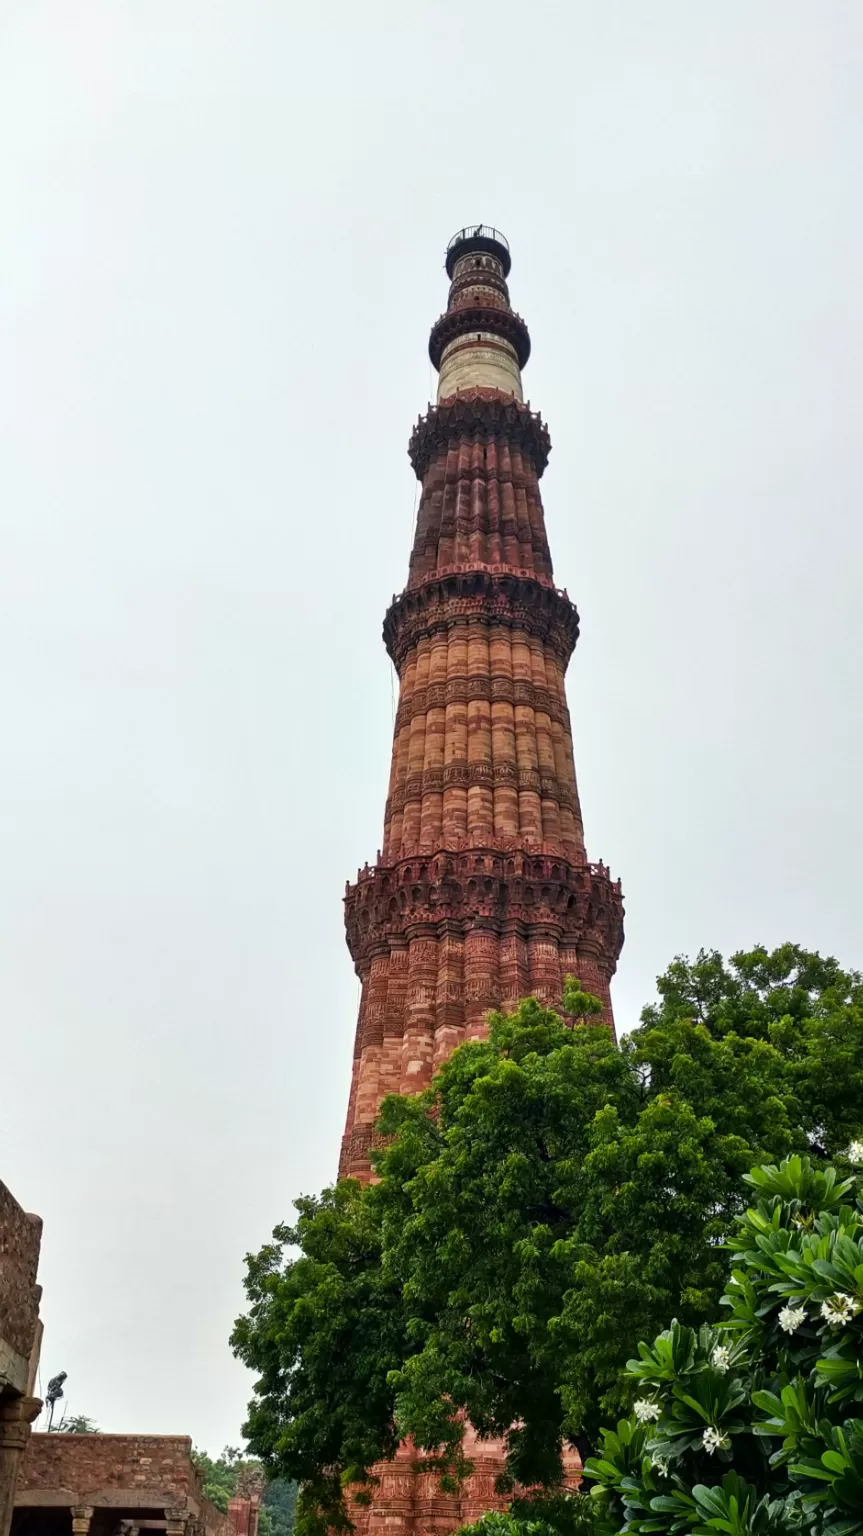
[754, 1426]
[788, 1023]
[219, 1474]
[78, 1424]
[280, 1505]
[548, 1201]
[220, 1484]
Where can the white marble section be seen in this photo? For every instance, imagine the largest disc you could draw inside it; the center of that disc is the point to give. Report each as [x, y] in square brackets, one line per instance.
[479, 361]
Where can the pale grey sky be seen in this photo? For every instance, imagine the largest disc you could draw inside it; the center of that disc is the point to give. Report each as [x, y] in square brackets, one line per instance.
[223, 235]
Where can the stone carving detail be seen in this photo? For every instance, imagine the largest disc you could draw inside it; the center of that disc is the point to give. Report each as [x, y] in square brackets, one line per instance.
[458, 419]
[497, 319]
[575, 903]
[250, 1483]
[485, 597]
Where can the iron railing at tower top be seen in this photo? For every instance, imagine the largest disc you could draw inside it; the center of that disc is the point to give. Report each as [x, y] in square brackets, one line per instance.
[478, 237]
[478, 232]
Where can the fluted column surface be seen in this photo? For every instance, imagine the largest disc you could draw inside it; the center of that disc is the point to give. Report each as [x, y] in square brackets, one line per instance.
[482, 893]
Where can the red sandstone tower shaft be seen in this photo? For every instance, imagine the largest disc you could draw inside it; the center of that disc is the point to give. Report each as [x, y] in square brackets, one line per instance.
[482, 894]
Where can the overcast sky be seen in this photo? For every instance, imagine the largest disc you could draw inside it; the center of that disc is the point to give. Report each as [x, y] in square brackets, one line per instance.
[223, 234]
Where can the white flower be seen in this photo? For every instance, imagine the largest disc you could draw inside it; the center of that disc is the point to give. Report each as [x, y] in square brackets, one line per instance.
[714, 1440]
[646, 1411]
[721, 1358]
[855, 1152]
[839, 1309]
[661, 1464]
[792, 1318]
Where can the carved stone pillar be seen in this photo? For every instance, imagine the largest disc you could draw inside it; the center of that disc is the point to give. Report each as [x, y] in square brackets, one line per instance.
[16, 1416]
[82, 1514]
[176, 1522]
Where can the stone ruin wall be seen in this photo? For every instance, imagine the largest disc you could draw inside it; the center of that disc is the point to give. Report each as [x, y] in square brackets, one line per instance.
[20, 1239]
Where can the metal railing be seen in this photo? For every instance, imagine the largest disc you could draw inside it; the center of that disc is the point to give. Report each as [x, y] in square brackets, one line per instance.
[478, 232]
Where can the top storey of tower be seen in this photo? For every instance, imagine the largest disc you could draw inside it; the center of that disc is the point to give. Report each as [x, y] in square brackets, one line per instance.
[479, 343]
[478, 237]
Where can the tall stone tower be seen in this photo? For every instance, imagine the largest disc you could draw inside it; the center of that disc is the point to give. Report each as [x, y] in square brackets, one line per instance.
[482, 893]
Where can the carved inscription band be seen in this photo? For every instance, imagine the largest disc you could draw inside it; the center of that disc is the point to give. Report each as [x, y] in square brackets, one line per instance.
[498, 689]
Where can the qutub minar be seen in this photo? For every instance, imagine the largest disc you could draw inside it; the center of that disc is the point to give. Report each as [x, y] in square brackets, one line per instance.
[482, 893]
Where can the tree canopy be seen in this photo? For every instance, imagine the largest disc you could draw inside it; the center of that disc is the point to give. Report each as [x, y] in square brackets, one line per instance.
[220, 1475]
[548, 1201]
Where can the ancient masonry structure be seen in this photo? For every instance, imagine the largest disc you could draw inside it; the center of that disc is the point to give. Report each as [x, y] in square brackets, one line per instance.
[20, 1333]
[86, 1485]
[482, 893]
[114, 1485]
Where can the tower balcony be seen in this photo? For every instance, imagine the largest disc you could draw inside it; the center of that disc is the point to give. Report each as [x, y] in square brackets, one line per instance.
[480, 319]
[485, 596]
[478, 237]
[479, 410]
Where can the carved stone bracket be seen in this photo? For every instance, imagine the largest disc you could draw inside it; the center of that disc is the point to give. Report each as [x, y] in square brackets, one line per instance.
[16, 1416]
[479, 317]
[481, 597]
[530, 893]
[478, 410]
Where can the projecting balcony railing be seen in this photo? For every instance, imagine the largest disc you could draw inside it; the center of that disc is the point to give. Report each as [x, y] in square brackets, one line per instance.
[478, 232]
[539, 861]
[479, 237]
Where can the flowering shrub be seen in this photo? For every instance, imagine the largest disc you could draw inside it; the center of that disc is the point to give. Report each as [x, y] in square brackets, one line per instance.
[755, 1427]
